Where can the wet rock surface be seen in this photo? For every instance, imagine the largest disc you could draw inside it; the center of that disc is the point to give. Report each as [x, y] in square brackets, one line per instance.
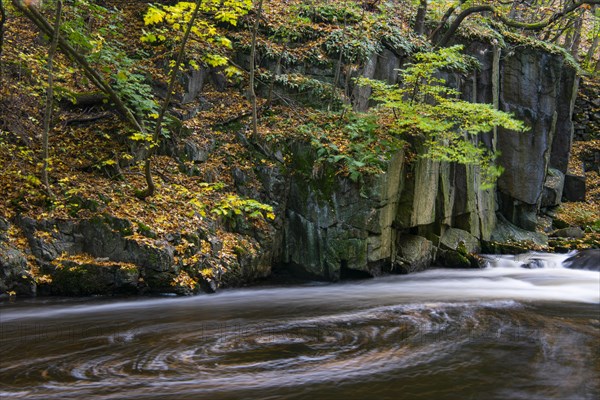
[584, 259]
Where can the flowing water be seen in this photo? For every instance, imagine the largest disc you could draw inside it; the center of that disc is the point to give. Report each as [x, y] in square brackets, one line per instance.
[503, 332]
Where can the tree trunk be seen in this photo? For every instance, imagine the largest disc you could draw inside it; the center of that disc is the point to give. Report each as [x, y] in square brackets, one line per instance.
[444, 19]
[459, 19]
[277, 73]
[2, 21]
[495, 89]
[338, 68]
[151, 188]
[420, 18]
[512, 14]
[336, 77]
[574, 49]
[589, 59]
[50, 97]
[253, 71]
[559, 32]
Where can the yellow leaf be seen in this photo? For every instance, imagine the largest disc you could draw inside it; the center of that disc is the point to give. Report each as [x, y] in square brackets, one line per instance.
[154, 16]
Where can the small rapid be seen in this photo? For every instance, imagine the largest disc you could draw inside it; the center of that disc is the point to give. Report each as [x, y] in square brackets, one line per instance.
[530, 260]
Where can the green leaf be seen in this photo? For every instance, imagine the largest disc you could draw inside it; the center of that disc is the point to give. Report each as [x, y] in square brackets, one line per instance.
[122, 76]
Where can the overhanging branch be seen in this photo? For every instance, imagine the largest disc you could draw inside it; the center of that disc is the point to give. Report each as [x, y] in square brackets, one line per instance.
[536, 26]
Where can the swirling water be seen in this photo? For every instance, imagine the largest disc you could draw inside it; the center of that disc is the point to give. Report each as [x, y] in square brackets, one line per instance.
[503, 332]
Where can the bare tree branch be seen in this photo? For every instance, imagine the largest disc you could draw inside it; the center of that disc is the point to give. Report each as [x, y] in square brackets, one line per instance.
[43, 25]
[536, 26]
[445, 19]
[253, 70]
[50, 97]
[150, 189]
[2, 21]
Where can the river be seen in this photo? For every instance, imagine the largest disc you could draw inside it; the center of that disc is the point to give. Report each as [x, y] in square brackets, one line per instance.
[503, 332]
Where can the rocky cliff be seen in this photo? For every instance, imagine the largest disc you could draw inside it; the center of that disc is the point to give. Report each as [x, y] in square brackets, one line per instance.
[415, 214]
[422, 211]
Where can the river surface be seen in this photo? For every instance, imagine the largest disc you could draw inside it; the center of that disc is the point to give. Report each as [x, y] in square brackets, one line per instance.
[502, 332]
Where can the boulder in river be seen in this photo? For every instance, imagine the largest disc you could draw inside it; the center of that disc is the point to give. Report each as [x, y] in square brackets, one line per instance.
[458, 248]
[533, 264]
[585, 259]
[458, 239]
[414, 253]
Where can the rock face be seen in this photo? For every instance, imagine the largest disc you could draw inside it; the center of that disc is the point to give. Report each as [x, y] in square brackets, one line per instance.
[539, 89]
[99, 256]
[507, 232]
[426, 212]
[553, 188]
[88, 278]
[14, 271]
[332, 223]
[104, 238]
[586, 119]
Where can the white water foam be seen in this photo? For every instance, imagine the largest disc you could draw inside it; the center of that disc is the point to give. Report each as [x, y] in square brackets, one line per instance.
[504, 280]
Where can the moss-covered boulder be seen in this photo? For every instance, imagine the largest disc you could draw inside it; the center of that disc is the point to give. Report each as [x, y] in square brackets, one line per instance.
[83, 275]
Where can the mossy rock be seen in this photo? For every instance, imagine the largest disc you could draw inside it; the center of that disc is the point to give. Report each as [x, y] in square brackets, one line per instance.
[509, 247]
[145, 230]
[454, 259]
[323, 184]
[14, 272]
[123, 226]
[71, 278]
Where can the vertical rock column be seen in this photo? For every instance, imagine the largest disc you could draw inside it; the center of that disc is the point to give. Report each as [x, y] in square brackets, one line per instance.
[530, 87]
